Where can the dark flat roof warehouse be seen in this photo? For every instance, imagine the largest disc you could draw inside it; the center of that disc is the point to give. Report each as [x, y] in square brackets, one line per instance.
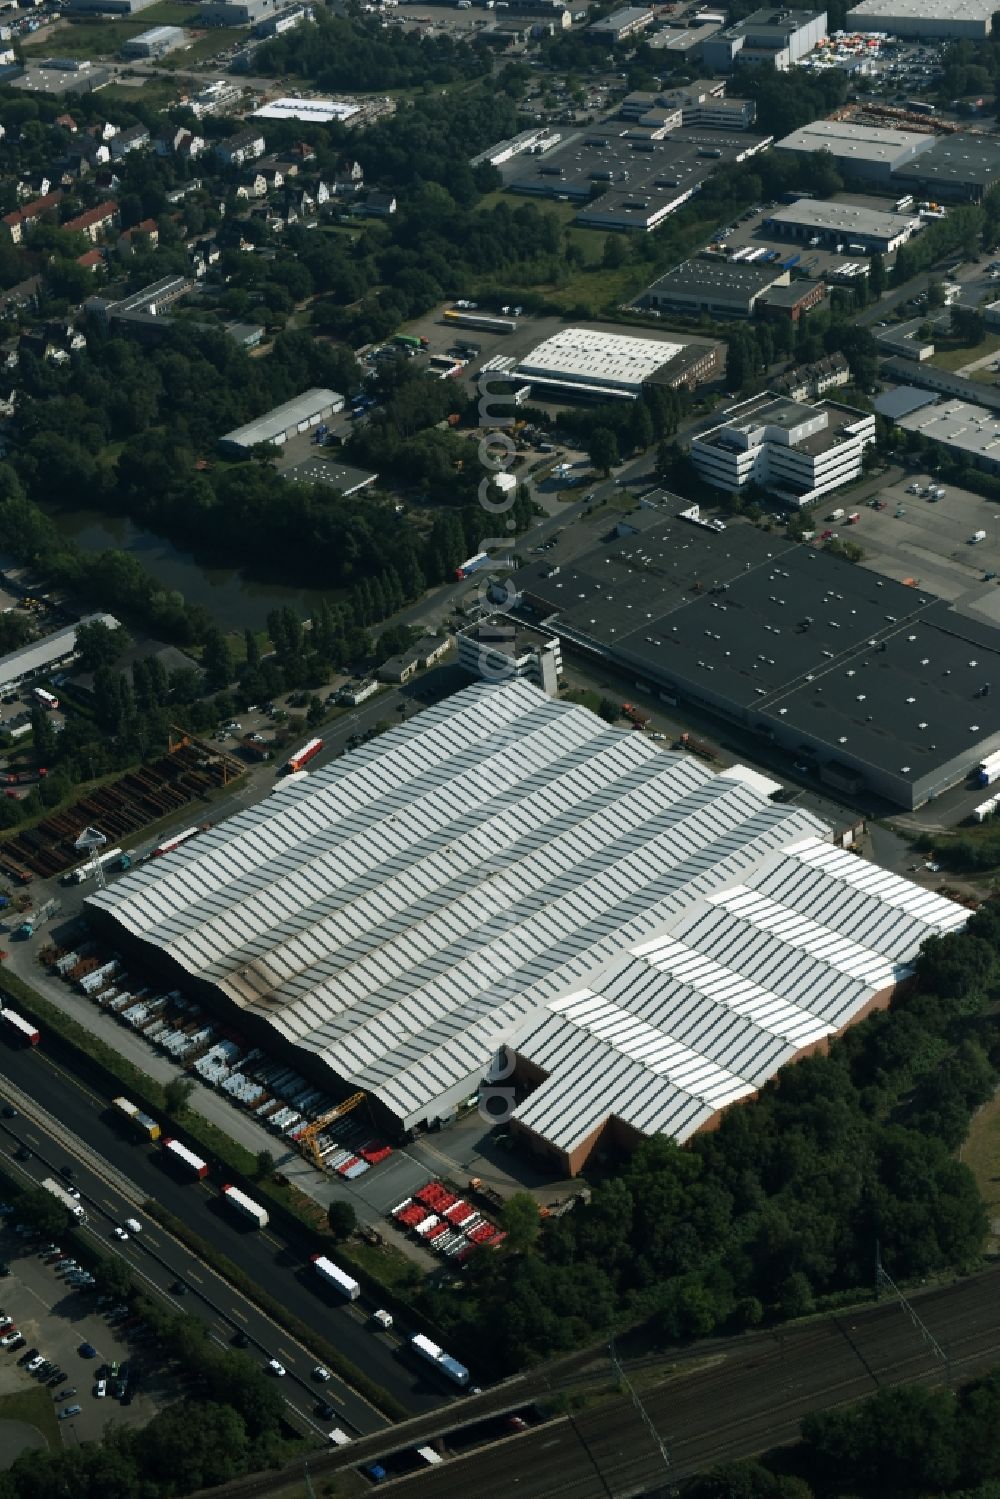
[786, 640]
[957, 159]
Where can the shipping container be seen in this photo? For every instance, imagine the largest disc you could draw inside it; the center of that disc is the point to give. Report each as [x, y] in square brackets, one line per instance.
[335, 1277]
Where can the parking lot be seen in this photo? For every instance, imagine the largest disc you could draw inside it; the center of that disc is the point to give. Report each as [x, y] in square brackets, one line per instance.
[57, 1321]
[898, 69]
[928, 540]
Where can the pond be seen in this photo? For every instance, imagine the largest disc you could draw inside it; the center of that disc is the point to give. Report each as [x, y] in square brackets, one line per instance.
[234, 601]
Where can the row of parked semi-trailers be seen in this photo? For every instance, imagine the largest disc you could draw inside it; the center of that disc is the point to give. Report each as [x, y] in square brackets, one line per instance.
[750, 255]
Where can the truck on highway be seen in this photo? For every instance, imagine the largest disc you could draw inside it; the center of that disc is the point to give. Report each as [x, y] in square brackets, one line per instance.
[431, 1354]
[51, 1185]
[301, 758]
[472, 565]
[988, 770]
[246, 1207]
[335, 1277]
[185, 1159]
[19, 1028]
[140, 1122]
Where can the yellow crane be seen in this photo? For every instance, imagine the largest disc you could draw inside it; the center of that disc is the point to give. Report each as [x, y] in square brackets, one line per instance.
[310, 1135]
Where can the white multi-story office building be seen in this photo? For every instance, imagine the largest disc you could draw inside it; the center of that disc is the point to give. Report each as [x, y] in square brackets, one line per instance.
[502, 649]
[797, 451]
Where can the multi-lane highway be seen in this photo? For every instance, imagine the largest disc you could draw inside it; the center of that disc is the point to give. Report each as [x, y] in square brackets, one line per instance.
[115, 1175]
[724, 1400]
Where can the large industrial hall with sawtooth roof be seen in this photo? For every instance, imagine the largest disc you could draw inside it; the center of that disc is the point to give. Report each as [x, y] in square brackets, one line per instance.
[651, 939]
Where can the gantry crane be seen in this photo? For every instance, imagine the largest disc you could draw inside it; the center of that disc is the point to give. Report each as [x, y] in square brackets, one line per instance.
[310, 1135]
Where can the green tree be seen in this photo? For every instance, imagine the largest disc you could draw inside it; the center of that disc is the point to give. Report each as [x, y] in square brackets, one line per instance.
[217, 660]
[602, 449]
[876, 276]
[98, 645]
[614, 252]
[341, 1219]
[43, 1210]
[520, 1219]
[176, 1094]
[264, 1166]
[609, 710]
[43, 736]
[115, 1276]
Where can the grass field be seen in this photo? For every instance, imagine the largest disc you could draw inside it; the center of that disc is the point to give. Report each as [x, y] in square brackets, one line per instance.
[37, 1409]
[981, 1153]
[92, 37]
[202, 47]
[156, 92]
[86, 39]
[955, 357]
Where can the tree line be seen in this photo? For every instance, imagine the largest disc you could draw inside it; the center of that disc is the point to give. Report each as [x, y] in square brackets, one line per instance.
[355, 53]
[907, 1442]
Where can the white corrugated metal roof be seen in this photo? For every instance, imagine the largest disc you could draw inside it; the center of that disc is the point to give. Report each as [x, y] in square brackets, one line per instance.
[736, 984]
[403, 910]
[50, 649]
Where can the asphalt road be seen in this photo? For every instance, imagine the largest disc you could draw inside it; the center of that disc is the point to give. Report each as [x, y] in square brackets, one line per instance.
[279, 1266]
